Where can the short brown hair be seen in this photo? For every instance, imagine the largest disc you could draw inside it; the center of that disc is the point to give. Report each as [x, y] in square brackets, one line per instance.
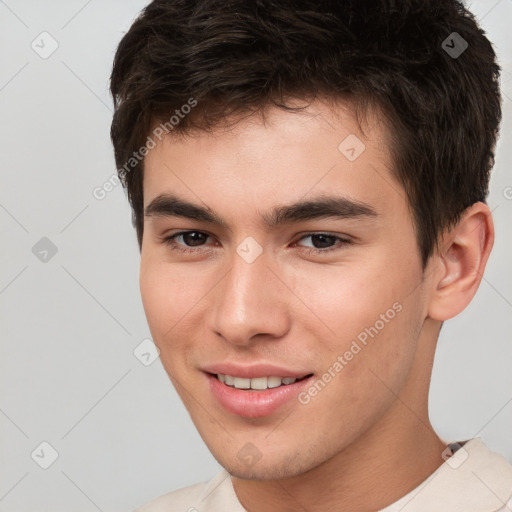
[238, 56]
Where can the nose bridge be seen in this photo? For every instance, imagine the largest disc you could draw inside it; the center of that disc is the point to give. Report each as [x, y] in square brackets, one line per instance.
[247, 301]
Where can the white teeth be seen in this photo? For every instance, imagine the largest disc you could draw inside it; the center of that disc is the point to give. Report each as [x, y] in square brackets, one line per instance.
[241, 383]
[259, 383]
[273, 382]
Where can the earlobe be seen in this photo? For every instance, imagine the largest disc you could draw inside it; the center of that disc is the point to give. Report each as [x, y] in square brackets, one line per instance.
[461, 261]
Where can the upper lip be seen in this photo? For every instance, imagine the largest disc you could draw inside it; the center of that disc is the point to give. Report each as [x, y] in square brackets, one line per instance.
[254, 371]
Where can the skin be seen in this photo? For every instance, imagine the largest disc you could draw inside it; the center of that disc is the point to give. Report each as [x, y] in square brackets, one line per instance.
[365, 439]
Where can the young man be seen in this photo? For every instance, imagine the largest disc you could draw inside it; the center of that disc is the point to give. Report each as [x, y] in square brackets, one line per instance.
[308, 182]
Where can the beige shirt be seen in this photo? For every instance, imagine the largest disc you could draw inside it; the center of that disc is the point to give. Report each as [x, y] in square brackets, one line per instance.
[473, 479]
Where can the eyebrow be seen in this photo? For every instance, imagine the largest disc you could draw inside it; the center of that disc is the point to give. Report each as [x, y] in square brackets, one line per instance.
[168, 205]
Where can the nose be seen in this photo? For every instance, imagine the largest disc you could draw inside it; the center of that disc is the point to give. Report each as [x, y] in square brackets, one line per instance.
[250, 301]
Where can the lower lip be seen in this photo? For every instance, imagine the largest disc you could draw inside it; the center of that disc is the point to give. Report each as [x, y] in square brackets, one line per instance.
[252, 403]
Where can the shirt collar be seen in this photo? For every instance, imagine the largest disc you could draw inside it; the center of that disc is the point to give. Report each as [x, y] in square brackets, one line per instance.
[473, 479]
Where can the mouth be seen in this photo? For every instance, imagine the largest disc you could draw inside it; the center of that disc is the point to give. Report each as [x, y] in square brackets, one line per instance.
[257, 383]
[256, 397]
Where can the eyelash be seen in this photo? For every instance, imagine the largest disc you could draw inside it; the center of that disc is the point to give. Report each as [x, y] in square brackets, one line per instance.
[171, 242]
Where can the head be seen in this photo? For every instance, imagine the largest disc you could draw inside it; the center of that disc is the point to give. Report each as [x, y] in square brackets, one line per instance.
[248, 124]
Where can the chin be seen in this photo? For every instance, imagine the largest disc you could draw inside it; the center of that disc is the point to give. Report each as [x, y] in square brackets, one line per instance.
[262, 473]
[276, 469]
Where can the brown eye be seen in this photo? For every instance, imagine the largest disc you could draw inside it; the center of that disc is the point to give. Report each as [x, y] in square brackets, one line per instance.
[193, 238]
[189, 241]
[324, 242]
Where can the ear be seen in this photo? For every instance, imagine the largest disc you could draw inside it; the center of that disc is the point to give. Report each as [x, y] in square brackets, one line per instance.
[459, 263]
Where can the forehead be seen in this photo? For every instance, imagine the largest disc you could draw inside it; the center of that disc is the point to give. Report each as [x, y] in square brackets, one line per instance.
[259, 162]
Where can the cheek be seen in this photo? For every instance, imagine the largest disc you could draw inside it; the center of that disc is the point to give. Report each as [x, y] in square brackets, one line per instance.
[163, 306]
[340, 302]
[365, 314]
[173, 299]
[156, 294]
[167, 295]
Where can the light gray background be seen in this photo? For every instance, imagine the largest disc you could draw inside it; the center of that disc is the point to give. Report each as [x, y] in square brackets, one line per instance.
[69, 325]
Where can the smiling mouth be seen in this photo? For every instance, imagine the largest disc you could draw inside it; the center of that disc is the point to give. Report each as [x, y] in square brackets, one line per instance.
[257, 383]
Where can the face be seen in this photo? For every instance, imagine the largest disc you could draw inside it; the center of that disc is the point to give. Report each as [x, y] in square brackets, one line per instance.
[275, 251]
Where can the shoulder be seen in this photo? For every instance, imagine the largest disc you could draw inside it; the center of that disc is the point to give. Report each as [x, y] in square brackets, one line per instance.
[487, 463]
[474, 479]
[216, 495]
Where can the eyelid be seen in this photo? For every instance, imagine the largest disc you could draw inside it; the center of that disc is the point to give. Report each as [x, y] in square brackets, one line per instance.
[170, 240]
[339, 238]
